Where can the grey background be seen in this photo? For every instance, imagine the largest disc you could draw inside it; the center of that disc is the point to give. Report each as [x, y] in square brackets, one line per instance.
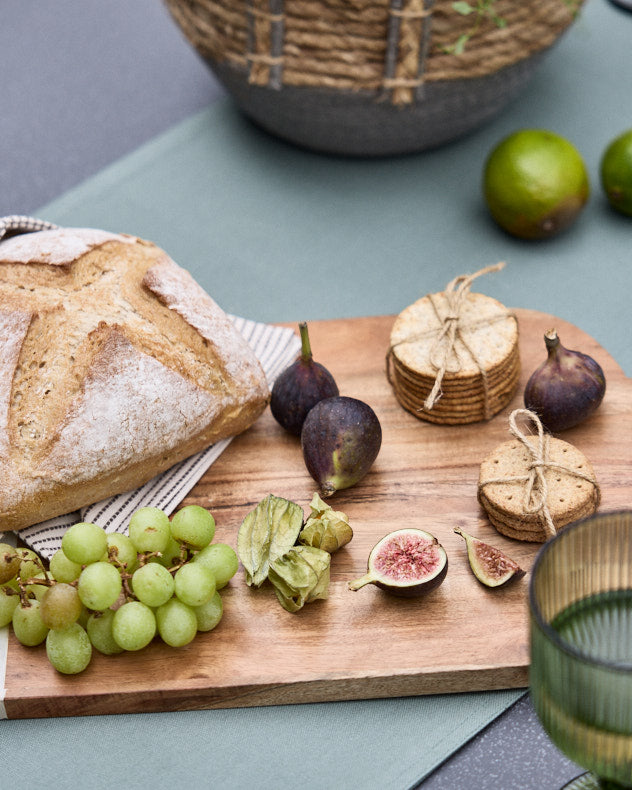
[85, 82]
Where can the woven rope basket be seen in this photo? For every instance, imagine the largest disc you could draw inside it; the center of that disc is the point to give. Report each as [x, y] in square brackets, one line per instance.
[371, 77]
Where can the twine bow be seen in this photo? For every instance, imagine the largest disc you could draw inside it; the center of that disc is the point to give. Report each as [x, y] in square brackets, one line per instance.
[456, 293]
[536, 488]
[452, 328]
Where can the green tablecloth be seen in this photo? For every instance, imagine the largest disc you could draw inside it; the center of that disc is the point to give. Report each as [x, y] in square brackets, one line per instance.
[275, 233]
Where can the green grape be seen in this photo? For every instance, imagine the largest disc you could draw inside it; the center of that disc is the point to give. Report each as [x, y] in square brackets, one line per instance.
[193, 525]
[194, 584]
[209, 614]
[60, 606]
[133, 625]
[69, 650]
[99, 628]
[62, 569]
[8, 602]
[221, 559]
[99, 585]
[171, 555]
[84, 543]
[149, 529]
[177, 623]
[125, 551]
[153, 584]
[27, 624]
[30, 564]
[84, 616]
[9, 562]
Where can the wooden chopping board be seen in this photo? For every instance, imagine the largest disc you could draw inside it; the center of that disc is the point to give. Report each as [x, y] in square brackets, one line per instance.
[365, 644]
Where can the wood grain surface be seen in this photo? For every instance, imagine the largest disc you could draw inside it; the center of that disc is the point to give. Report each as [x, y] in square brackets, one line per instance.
[366, 644]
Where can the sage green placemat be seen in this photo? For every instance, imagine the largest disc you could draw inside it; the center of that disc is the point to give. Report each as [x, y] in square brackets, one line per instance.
[275, 233]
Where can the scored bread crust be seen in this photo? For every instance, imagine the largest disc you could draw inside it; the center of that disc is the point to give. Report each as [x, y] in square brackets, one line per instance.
[114, 365]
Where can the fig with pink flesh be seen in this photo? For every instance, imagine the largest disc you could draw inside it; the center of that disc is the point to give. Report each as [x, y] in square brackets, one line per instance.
[300, 387]
[406, 563]
[566, 388]
[341, 438]
[490, 565]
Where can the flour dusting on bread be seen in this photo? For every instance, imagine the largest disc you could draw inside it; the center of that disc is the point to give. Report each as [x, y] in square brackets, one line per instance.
[57, 247]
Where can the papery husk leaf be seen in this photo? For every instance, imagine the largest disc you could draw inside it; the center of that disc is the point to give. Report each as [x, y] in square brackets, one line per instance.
[267, 532]
[326, 528]
[300, 576]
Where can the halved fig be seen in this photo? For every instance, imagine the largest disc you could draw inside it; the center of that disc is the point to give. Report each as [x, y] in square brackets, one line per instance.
[407, 562]
[490, 565]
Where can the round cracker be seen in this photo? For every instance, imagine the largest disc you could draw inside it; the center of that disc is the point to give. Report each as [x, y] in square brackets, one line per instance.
[490, 331]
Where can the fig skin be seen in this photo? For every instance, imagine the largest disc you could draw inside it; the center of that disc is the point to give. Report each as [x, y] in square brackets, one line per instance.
[566, 388]
[415, 548]
[300, 387]
[341, 439]
[490, 565]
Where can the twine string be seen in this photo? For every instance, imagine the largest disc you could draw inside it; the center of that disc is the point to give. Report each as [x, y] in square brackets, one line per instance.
[536, 490]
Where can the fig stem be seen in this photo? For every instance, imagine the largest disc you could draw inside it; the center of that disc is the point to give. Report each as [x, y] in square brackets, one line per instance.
[551, 340]
[306, 349]
[368, 578]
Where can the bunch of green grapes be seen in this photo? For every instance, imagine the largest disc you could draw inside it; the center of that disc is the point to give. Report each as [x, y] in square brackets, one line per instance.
[116, 592]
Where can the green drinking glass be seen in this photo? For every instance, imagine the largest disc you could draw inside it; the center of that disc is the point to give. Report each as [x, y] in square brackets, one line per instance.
[580, 600]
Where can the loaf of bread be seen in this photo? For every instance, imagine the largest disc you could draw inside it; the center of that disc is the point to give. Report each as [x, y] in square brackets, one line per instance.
[114, 365]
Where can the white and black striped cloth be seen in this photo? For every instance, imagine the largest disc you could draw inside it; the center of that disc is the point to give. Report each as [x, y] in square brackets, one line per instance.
[275, 347]
[17, 223]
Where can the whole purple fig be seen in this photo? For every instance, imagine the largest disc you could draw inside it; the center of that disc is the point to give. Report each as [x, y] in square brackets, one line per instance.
[566, 388]
[341, 438]
[300, 387]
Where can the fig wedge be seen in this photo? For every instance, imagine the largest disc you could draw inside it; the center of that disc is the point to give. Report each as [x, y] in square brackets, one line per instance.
[406, 562]
[490, 565]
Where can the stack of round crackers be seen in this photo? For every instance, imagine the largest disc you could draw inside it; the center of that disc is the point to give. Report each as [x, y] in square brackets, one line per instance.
[532, 486]
[454, 366]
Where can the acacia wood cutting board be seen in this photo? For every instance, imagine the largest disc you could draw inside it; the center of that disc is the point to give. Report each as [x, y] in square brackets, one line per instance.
[461, 637]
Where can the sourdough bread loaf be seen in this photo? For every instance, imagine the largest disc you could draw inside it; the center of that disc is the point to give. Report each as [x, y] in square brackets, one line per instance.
[114, 365]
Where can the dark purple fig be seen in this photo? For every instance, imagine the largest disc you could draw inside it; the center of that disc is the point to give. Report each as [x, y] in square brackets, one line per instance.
[341, 438]
[300, 387]
[490, 565]
[566, 388]
[407, 563]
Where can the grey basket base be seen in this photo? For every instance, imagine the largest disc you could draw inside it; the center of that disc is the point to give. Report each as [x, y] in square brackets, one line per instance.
[363, 124]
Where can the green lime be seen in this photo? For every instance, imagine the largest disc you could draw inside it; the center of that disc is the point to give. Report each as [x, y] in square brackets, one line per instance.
[535, 183]
[616, 172]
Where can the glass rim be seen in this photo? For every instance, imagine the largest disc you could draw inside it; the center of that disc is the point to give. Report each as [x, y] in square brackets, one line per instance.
[534, 606]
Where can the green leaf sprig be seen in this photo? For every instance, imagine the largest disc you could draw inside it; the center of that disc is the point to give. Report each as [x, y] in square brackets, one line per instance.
[482, 10]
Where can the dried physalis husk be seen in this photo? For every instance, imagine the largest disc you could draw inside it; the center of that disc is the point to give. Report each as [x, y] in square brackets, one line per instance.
[267, 533]
[326, 528]
[300, 576]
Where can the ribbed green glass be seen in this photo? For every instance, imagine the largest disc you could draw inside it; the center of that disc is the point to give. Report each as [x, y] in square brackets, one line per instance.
[580, 600]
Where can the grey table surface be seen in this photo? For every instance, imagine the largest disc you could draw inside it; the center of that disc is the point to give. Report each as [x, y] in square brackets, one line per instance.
[66, 113]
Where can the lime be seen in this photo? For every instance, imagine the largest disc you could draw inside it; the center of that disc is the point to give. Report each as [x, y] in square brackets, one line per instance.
[616, 172]
[535, 183]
